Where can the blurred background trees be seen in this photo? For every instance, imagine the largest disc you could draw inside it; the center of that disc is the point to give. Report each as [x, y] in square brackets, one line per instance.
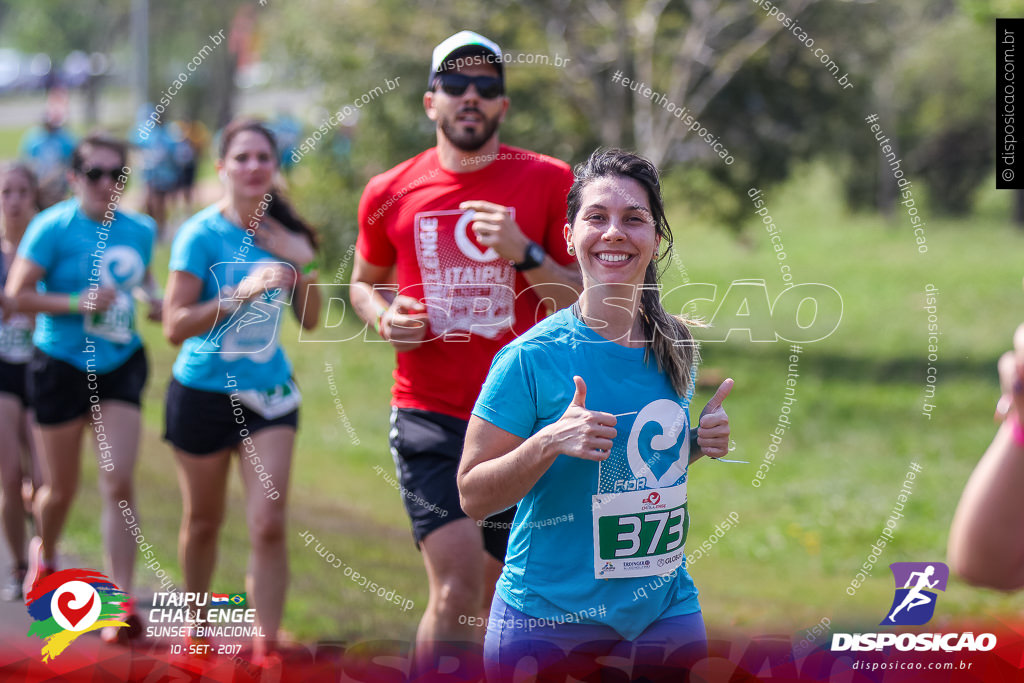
[924, 67]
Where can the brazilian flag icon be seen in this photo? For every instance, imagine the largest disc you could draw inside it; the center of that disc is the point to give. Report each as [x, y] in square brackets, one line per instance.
[237, 599]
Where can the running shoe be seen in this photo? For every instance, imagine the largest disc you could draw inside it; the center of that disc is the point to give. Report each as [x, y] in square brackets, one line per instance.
[12, 591]
[122, 635]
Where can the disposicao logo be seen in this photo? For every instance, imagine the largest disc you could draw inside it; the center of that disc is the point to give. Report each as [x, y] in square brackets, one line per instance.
[71, 602]
[913, 604]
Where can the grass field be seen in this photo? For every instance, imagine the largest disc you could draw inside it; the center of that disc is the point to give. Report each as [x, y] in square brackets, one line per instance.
[803, 534]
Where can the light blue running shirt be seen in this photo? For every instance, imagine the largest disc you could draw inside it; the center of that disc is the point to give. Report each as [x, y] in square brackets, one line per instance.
[588, 535]
[244, 344]
[76, 251]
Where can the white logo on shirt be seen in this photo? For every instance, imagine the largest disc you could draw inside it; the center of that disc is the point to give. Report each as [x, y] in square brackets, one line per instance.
[670, 445]
[122, 268]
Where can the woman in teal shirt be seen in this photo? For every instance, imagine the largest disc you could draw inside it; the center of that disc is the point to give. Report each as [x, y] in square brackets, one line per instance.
[583, 421]
[235, 267]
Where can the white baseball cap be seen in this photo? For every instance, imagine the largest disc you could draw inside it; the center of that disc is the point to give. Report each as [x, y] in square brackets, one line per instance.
[464, 43]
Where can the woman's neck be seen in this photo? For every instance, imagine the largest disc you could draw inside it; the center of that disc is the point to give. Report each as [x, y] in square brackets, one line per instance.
[613, 311]
[245, 213]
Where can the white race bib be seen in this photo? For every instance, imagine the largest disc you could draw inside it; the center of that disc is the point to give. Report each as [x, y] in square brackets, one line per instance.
[272, 403]
[639, 533]
[16, 339]
[116, 324]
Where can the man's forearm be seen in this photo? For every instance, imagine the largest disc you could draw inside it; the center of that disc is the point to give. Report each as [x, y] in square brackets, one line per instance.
[550, 280]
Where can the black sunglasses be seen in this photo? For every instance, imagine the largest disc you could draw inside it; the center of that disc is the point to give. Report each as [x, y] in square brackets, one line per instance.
[95, 174]
[488, 87]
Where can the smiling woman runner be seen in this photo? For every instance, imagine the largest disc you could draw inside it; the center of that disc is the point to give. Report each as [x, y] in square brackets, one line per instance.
[586, 417]
[88, 258]
[234, 266]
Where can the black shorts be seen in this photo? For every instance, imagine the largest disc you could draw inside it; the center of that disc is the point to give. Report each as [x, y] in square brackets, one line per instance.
[204, 422]
[59, 391]
[12, 380]
[426, 448]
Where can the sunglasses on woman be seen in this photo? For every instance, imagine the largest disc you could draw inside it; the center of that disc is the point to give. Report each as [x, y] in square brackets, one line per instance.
[95, 174]
[488, 87]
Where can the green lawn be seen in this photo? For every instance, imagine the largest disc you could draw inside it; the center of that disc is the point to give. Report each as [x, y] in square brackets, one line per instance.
[857, 425]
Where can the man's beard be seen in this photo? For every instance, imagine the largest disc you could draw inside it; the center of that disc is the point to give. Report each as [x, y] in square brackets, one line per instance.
[465, 140]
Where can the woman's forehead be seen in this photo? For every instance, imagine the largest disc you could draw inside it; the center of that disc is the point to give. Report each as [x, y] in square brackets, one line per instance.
[615, 191]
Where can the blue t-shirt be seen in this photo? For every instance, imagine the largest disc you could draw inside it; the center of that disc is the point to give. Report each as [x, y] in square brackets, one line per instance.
[244, 344]
[48, 152]
[76, 252]
[159, 166]
[551, 567]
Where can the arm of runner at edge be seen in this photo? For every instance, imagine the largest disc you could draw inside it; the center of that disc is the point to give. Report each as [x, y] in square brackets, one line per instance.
[986, 546]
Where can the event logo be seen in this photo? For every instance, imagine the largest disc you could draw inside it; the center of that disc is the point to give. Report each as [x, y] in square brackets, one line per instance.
[915, 598]
[467, 244]
[71, 602]
[652, 499]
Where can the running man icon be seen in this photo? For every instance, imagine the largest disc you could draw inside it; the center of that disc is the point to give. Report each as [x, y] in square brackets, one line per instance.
[915, 597]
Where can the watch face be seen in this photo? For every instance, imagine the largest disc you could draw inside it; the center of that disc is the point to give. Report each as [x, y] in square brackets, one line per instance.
[535, 253]
[533, 257]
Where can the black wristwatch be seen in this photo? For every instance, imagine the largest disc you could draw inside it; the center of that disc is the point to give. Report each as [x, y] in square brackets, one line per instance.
[533, 258]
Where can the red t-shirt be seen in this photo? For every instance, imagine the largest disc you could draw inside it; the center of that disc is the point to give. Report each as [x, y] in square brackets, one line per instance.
[409, 218]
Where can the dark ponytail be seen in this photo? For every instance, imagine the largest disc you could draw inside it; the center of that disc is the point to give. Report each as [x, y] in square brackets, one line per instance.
[666, 336]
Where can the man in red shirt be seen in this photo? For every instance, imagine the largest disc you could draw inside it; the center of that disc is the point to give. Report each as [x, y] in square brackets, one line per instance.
[471, 231]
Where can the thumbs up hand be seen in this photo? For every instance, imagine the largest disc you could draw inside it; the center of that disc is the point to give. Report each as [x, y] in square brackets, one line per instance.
[580, 397]
[713, 427]
[580, 433]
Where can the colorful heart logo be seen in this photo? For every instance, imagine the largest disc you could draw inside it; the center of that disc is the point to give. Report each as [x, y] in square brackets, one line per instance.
[72, 614]
[75, 605]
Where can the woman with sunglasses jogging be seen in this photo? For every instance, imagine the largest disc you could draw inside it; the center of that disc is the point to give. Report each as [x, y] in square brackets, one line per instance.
[79, 266]
[235, 267]
[584, 422]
